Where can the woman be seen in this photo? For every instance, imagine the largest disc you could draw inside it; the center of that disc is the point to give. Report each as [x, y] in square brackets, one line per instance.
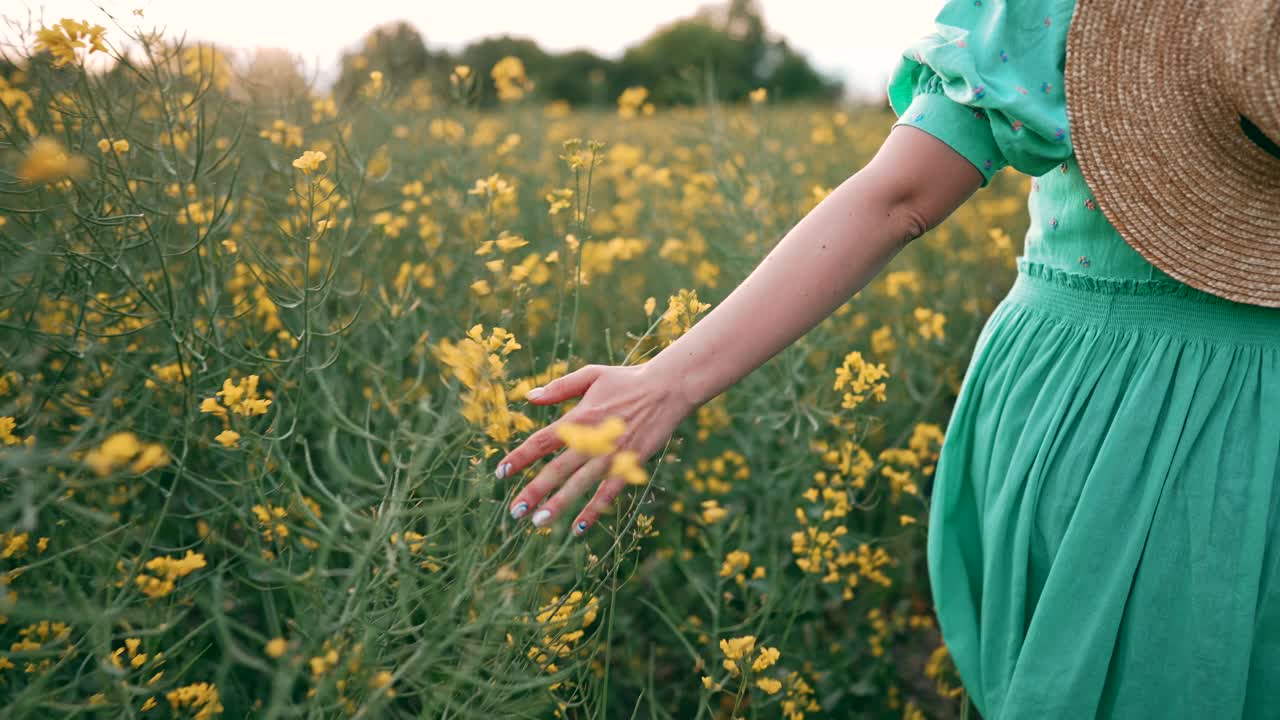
[1102, 515]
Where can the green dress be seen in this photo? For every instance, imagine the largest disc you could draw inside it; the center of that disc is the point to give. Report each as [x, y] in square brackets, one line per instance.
[1102, 515]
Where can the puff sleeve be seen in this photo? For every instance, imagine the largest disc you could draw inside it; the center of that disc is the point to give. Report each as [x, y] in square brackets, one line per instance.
[988, 81]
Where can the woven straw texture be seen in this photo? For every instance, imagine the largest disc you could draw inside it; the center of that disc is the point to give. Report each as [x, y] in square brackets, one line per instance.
[1155, 92]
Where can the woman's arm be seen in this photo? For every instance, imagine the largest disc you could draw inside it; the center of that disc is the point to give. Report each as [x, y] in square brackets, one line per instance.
[914, 181]
[912, 184]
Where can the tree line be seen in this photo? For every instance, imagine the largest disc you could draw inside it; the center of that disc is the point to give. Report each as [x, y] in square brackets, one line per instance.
[722, 52]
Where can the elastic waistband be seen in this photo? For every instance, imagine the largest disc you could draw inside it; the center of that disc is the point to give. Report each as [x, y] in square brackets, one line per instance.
[1165, 306]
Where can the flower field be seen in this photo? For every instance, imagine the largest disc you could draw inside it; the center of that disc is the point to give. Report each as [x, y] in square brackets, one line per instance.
[259, 353]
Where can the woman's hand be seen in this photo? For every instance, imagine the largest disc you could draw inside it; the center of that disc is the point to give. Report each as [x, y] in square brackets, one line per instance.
[651, 404]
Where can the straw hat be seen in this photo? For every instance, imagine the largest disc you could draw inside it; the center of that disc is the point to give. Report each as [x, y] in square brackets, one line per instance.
[1174, 108]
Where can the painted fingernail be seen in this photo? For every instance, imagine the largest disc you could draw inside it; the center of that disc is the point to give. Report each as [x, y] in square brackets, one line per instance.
[519, 510]
[539, 518]
[502, 470]
[534, 394]
[580, 528]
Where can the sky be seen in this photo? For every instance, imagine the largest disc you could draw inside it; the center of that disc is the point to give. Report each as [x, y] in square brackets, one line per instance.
[856, 40]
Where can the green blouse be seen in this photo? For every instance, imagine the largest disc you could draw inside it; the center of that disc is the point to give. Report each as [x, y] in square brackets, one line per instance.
[988, 81]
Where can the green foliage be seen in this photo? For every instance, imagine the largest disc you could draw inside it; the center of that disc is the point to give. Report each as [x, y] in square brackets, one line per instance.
[722, 53]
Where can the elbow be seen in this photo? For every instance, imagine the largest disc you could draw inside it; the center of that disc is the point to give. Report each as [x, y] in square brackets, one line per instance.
[907, 221]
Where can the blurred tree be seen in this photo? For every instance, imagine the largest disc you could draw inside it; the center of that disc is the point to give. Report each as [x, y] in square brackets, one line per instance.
[398, 51]
[484, 54]
[580, 78]
[273, 78]
[723, 51]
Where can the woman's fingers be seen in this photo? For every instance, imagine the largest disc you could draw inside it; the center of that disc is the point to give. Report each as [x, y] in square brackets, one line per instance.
[584, 477]
[605, 494]
[540, 443]
[567, 386]
[552, 474]
[545, 440]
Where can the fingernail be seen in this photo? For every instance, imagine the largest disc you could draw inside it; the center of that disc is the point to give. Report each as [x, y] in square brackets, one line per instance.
[540, 517]
[580, 528]
[502, 470]
[519, 510]
[534, 394]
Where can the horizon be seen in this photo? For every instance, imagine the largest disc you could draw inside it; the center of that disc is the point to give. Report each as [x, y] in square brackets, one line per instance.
[857, 46]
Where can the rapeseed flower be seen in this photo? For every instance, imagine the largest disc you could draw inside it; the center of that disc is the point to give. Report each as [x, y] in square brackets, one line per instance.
[276, 647]
[624, 465]
[593, 440]
[165, 571]
[309, 161]
[63, 38]
[201, 697]
[46, 160]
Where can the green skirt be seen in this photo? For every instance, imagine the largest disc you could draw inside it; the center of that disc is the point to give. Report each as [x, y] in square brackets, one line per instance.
[1104, 517]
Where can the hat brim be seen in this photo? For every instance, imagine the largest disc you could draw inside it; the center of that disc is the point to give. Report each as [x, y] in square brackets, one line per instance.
[1160, 144]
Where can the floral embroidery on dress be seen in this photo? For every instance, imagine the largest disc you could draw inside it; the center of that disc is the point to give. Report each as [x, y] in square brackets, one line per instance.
[1089, 203]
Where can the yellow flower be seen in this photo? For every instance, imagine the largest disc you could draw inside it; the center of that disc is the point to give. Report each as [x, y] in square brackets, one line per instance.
[735, 562]
[7, 425]
[276, 647]
[509, 78]
[930, 323]
[165, 571]
[231, 247]
[712, 512]
[462, 71]
[592, 440]
[210, 405]
[767, 657]
[114, 452]
[507, 242]
[624, 465]
[630, 100]
[153, 455]
[104, 145]
[46, 161]
[309, 161]
[62, 39]
[380, 679]
[738, 648]
[120, 146]
[202, 697]
[759, 95]
[769, 685]
[241, 398]
[649, 305]
[228, 438]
